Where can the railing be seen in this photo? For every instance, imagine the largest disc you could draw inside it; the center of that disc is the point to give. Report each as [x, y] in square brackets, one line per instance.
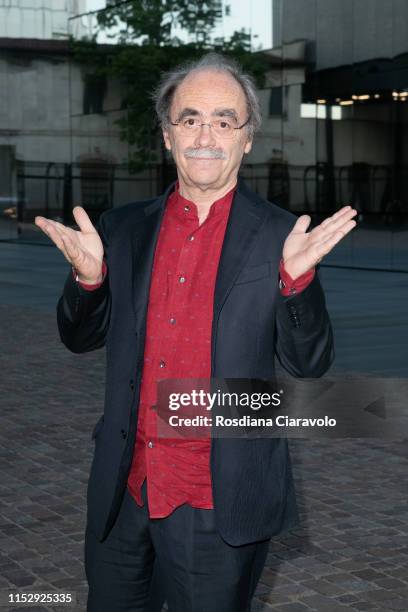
[379, 241]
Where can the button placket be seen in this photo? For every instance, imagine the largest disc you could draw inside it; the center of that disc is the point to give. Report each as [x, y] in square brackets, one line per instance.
[184, 269]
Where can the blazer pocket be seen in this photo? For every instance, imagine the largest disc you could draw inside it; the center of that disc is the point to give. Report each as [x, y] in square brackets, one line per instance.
[253, 273]
[97, 427]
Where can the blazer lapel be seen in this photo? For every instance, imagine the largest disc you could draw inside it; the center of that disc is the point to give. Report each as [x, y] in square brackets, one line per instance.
[245, 220]
[144, 235]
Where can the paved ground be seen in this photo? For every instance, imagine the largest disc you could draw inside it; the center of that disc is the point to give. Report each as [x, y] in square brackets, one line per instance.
[351, 551]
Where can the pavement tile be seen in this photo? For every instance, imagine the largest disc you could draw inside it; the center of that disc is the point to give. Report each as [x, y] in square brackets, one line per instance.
[389, 583]
[394, 604]
[346, 599]
[325, 588]
[350, 551]
[378, 595]
[323, 604]
[292, 607]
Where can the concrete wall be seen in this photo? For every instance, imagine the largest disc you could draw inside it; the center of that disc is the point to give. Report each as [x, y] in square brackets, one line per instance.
[44, 19]
[41, 113]
[347, 31]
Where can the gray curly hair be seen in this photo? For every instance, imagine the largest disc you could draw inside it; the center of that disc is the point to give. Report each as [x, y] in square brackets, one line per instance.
[163, 95]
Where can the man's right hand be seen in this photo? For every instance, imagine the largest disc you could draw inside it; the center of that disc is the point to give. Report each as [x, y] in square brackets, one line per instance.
[83, 249]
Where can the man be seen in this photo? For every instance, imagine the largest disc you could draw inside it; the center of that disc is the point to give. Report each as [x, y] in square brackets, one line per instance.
[206, 280]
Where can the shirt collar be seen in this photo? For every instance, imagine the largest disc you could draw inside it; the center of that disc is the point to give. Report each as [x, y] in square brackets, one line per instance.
[188, 209]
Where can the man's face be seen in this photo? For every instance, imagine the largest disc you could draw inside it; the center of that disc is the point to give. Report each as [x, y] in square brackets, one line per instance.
[205, 159]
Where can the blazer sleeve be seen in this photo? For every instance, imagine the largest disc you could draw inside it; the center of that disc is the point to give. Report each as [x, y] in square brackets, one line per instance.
[304, 335]
[83, 316]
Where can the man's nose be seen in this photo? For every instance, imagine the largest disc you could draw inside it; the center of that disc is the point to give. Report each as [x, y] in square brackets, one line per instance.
[205, 136]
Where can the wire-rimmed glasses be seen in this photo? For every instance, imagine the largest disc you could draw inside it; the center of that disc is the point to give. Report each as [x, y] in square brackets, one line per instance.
[224, 127]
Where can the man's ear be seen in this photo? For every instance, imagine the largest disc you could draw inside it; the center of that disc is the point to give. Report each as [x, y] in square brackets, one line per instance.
[248, 146]
[166, 139]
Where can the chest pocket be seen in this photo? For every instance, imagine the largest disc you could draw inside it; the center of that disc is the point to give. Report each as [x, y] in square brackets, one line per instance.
[254, 273]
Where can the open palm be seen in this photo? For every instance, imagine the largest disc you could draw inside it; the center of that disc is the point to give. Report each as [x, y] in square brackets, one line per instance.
[302, 250]
[83, 249]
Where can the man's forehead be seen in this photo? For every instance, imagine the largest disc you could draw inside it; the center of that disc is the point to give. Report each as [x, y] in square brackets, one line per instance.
[212, 89]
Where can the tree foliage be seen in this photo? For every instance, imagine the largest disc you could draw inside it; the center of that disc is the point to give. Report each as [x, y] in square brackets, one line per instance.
[146, 45]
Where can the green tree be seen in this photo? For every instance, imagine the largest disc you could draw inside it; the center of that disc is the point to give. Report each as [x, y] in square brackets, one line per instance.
[146, 46]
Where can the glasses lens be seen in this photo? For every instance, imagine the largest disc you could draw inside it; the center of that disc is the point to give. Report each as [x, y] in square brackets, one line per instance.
[222, 127]
[190, 124]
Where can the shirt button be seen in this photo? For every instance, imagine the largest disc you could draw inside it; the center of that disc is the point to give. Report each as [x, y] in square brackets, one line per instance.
[182, 279]
[172, 321]
[191, 238]
[186, 208]
[162, 364]
[150, 444]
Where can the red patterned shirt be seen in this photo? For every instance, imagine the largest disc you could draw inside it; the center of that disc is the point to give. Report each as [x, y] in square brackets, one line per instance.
[178, 345]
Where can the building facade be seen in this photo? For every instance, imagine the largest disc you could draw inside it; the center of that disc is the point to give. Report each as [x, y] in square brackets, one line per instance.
[334, 116]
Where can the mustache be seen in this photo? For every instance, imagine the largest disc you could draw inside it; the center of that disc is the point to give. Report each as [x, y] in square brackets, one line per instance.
[205, 153]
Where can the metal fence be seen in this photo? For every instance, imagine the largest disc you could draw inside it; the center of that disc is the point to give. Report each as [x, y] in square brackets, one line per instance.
[380, 241]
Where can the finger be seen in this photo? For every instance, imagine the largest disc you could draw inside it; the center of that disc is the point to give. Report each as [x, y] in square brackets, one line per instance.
[56, 232]
[326, 246]
[65, 230]
[346, 216]
[57, 237]
[302, 224]
[335, 221]
[344, 226]
[348, 222]
[48, 226]
[61, 244]
[337, 215]
[82, 219]
[41, 221]
[51, 231]
[64, 238]
[67, 251]
[62, 248]
[343, 209]
[74, 253]
[64, 252]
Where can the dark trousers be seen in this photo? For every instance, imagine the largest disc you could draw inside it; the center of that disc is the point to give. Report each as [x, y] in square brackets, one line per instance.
[180, 559]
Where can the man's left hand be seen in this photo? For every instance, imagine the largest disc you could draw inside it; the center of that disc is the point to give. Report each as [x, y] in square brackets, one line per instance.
[303, 250]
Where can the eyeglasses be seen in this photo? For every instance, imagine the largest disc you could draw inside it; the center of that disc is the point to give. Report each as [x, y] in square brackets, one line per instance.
[224, 127]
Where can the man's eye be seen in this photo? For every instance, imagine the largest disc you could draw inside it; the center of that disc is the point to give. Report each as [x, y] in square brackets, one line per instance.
[190, 122]
[223, 124]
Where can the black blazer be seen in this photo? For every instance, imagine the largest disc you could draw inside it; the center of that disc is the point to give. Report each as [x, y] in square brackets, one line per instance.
[252, 482]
